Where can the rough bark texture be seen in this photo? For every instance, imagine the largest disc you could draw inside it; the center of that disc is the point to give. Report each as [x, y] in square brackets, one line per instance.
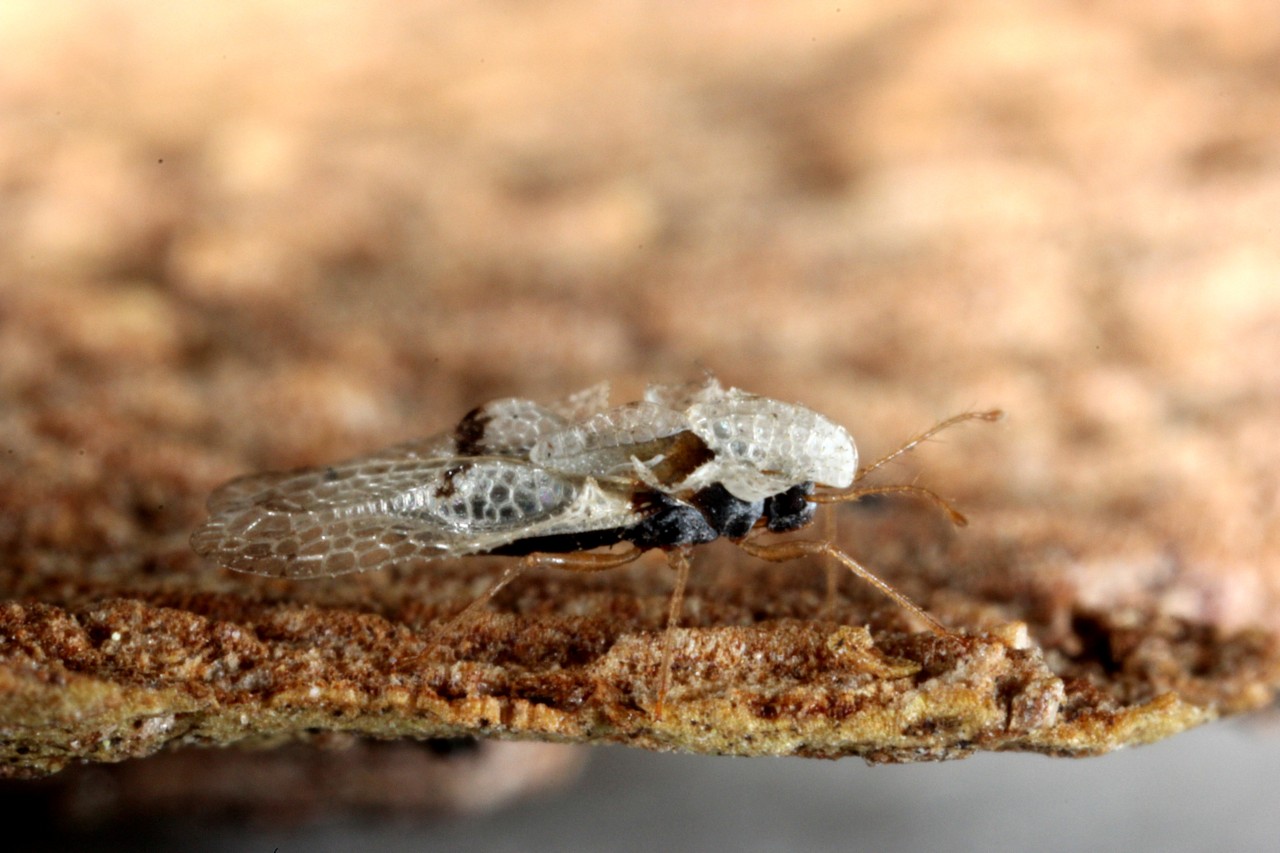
[275, 237]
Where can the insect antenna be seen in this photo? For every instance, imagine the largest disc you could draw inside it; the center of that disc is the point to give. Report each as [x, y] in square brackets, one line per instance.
[852, 494]
[911, 443]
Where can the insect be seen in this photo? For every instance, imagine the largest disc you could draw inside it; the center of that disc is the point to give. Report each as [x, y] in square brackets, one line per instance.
[554, 484]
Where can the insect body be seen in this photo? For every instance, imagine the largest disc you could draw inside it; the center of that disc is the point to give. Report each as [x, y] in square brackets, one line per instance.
[685, 465]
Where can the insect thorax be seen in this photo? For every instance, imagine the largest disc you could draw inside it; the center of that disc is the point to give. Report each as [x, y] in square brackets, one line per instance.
[714, 512]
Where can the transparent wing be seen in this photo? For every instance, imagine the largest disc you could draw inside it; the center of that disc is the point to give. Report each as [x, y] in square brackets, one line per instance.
[603, 444]
[506, 427]
[681, 395]
[363, 514]
[513, 426]
[382, 474]
[584, 403]
[763, 446]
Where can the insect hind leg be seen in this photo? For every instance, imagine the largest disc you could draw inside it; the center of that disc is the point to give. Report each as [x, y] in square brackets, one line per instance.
[575, 562]
[782, 552]
[677, 558]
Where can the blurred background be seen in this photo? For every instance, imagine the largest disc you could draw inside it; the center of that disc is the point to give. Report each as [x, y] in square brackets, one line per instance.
[252, 235]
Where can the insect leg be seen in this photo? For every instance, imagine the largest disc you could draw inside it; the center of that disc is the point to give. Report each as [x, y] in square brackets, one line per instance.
[577, 562]
[910, 444]
[678, 559]
[829, 531]
[584, 561]
[781, 552]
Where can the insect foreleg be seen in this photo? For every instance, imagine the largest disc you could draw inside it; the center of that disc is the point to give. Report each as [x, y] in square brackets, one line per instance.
[781, 552]
[828, 530]
[678, 559]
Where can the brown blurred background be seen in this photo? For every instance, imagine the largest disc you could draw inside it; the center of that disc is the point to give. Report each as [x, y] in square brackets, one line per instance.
[248, 235]
[273, 233]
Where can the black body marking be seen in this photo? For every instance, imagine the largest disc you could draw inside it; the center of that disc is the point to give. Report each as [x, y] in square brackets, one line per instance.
[670, 523]
[468, 435]
[790, 510]
[448, 488]
[731, 517]
[709, 514]
[563, 543]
